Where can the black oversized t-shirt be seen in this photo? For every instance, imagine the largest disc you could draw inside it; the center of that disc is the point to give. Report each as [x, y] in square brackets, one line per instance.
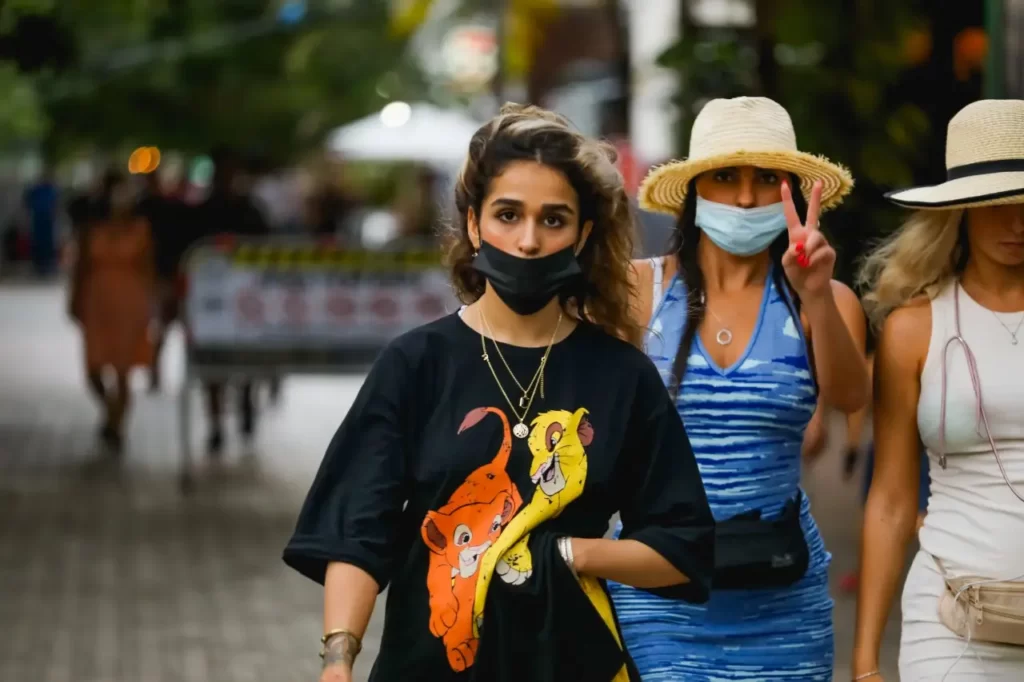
[425, 476]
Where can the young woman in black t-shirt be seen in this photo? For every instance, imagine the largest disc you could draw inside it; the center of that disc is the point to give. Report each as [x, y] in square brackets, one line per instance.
[477, 470]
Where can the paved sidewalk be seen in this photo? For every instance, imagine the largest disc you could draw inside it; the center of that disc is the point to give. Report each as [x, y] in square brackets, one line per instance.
[108, 575]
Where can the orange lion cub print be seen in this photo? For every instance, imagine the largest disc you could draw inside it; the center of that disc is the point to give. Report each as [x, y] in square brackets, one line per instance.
[457, 535]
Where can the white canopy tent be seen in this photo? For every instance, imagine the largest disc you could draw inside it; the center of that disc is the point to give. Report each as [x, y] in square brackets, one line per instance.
[399, 132]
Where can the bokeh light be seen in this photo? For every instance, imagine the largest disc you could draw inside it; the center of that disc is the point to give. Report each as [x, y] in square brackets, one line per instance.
[395, 114]
[144, 160]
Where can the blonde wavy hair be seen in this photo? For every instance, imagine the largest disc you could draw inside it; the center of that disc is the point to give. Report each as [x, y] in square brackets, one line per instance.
[529, 133]
[918, 260]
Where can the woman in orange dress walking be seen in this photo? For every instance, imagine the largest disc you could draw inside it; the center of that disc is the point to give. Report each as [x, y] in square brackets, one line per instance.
[112, 299]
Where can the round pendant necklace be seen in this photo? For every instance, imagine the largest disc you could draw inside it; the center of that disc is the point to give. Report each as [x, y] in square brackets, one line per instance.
[724, 335]
[1013, 334]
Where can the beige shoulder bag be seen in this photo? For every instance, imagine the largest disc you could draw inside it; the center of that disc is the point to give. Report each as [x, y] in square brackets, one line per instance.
[974, 607]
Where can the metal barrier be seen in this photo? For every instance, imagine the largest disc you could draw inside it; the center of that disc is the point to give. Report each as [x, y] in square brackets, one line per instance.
[266, 308]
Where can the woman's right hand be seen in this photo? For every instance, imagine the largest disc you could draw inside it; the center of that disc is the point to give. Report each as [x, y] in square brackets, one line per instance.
[337, 672]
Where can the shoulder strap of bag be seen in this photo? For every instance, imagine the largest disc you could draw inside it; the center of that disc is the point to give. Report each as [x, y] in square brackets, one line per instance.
[940, 566]
[981, 417]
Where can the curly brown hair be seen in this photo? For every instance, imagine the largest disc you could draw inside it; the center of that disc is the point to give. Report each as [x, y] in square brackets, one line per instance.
[529, 133]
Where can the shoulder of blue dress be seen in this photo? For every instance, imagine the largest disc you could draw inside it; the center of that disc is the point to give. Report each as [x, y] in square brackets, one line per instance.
[668, 307]
[666, 328]
[676, 289]
[784, 343]
[780, 309]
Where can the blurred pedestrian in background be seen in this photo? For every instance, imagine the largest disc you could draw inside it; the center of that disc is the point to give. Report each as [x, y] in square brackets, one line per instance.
[947, 292]
[84, 205]
[42, 201]
[112, 296]
[418, 214]
[172, 232]
[230, 209]
[333, 205]
[748, 329]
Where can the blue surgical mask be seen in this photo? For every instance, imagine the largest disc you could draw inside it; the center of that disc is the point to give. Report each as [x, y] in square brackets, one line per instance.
[740, 231]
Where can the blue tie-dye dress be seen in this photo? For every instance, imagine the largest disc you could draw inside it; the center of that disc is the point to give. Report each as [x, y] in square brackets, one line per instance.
[746, 425]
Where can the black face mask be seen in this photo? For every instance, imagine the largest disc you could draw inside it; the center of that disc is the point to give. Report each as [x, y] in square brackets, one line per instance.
[527, 284]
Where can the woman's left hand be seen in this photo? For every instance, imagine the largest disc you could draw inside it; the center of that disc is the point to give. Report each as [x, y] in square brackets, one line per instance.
[810, 260]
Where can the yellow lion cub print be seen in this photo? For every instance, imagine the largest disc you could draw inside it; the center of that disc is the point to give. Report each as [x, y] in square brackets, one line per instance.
[559, 470]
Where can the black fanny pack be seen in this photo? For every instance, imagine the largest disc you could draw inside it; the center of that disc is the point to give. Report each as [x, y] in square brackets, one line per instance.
[752, 553]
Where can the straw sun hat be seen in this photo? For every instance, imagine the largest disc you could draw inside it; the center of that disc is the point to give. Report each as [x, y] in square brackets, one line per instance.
[743, 131]
[984, 160]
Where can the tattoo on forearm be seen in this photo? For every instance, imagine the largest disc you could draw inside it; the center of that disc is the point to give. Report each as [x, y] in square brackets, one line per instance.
[340, 649]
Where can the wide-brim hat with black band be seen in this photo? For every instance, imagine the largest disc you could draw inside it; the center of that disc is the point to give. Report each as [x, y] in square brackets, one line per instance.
[742, 131]
[984, 160]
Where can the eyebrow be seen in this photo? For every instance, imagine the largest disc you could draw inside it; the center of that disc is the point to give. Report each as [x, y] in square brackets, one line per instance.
[551, 208]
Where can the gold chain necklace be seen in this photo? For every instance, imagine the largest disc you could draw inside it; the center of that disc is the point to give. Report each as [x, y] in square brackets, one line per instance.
[538, 375]
[520, 430]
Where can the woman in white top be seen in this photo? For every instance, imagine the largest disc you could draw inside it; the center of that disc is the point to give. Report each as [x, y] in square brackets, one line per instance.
[958, 259]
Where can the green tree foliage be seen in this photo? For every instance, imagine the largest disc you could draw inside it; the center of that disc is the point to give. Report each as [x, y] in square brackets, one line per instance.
[864, 121]
[21, 116]
[191, 74]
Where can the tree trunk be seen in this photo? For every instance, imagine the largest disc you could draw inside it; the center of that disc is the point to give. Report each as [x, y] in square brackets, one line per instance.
[767, 68]
[498, 83]
[684, 122]
[617, 118]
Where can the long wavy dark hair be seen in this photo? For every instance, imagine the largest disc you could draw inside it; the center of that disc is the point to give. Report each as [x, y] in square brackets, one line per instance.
[683, 246]
[529, 133]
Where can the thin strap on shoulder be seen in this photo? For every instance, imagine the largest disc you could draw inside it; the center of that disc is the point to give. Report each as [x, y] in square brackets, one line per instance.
[942, 568]
[657, 275]
[981, 418]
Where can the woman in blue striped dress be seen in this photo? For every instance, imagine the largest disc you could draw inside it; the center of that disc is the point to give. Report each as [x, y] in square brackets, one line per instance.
[745, 310]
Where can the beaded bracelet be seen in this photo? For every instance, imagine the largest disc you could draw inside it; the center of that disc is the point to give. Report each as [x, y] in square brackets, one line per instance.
[354, 641]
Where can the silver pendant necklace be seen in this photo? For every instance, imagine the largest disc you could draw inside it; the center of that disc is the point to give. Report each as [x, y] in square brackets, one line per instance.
[724, 335]
[1013, 334]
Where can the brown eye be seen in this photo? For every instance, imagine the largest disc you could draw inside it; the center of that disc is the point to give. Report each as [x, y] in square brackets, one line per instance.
[723, 176]
[507, 216]
[554, 221]
[553, 435]
[768, 177]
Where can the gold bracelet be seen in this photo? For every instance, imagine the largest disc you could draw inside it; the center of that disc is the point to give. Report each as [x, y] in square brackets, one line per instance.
[357, 643]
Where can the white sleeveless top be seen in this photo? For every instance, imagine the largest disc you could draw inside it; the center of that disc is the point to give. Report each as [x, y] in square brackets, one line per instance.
[975, 523]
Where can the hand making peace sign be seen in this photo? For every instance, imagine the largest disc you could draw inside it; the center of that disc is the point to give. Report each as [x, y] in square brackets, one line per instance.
[809, 261]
